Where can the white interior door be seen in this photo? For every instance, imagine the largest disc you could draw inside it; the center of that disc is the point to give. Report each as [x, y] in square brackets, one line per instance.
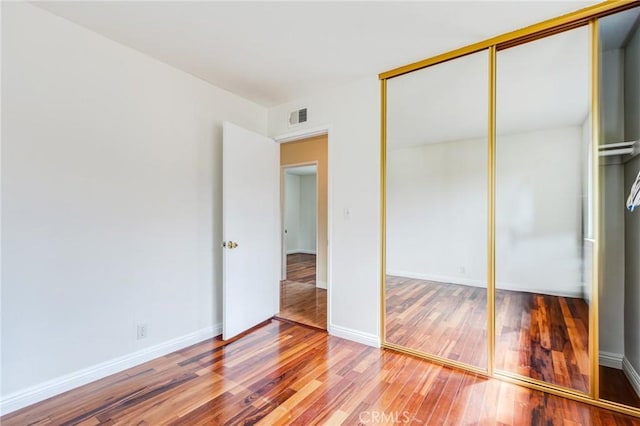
[250, 220]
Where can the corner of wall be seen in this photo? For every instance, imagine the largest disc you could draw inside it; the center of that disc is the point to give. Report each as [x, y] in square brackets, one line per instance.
[354, 335]
[632, 375]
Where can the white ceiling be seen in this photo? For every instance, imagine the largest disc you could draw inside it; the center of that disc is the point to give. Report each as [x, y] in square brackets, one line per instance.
[539, 85]
[274, 52]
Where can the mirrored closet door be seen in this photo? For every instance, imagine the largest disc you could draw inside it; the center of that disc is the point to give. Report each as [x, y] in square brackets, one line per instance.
[436, 210]
[619, 292]
[511, 243]
[543, 235]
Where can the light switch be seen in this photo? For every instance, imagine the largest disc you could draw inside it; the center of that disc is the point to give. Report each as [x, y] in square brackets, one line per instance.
[347, 213]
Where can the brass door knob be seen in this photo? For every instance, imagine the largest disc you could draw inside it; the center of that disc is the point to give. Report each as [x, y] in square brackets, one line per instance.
[229, 244]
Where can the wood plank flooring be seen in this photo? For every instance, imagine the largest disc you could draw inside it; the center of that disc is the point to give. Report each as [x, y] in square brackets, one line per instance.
[615, 386]
[300, 300]
[539, 336]
[283, 373]
[544, 337]
[301, 268]
[438, 318]
[303, 303]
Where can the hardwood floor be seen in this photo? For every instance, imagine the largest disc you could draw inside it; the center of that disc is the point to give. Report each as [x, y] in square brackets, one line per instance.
[283, 373]
[442, 319]
[301, 268]
[300, 300]
[615, 386]
[539, 336]
[303, 303]
[543, 337]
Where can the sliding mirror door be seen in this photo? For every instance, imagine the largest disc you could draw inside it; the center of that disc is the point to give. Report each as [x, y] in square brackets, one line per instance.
[619, 294]
[436, 210]
[543, 208]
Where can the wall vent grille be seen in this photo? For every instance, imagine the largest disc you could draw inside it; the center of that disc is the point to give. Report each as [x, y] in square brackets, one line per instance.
[298, 117]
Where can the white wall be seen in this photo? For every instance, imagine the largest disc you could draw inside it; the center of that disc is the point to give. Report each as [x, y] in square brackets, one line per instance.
[632, 219]
[300, 213]
[632, 273]
[613, 95]
[308, 213]
[111, 180]
[353, 114]
[538, 211]
[437, 212]
[632, 87]
[611, 291]
[587, 196]
[291, 212]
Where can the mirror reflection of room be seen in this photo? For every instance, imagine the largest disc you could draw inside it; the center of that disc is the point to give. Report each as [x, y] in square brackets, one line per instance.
[301, 300]
[543, 234]
[436, 210]
[620, 228]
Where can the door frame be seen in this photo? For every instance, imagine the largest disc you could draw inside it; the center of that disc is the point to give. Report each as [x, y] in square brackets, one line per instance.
[283, 194]
[294, 137]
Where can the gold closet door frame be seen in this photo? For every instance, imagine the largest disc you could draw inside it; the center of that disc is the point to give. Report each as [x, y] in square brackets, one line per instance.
[583, 17]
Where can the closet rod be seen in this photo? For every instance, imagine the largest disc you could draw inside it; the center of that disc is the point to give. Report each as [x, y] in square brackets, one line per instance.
[632, 148]
[611, 152]
[617, 145]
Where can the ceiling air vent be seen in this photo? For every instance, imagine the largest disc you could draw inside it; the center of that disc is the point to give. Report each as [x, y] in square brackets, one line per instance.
[297, 117]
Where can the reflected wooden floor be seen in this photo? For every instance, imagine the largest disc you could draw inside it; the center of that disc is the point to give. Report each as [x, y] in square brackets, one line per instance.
[544, 337]
[300, 300]
[438, 318]
[283, 373]
[539, 336]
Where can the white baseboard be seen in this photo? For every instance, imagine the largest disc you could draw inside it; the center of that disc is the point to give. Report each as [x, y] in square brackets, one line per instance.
[438, 278]
[354, 335]
[42, 391]
[631, 374]
[321, 284]
[301, 251]
[611, 360]
[577, 292]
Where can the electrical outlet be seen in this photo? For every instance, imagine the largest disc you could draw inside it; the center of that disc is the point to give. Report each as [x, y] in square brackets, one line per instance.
[142, 331]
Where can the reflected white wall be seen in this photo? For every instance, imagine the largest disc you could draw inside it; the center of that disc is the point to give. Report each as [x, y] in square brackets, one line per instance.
[437, 204]
[437, 212]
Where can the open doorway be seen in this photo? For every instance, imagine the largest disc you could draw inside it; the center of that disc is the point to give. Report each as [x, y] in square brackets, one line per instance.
[303, 293]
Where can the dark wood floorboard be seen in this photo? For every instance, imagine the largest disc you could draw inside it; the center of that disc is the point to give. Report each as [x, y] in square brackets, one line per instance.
[615, 386]
[283, 373]
[300, 300]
